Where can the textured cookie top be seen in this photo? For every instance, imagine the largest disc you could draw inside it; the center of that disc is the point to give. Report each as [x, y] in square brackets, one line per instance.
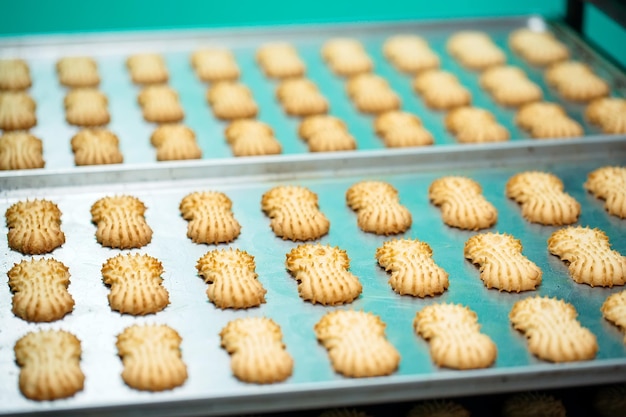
[14, 74]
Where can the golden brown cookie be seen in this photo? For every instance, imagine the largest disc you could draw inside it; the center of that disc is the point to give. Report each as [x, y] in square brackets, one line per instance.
[280, 60]
[325, 133]
[50, 365]
[14, 75]
[231, 100]
[17, 111]
[462, 203]
[152, 357]
[20, 150]
[413, 270]
[399, 129]
[538, 48]
[589, 257]
[301, 97]
[147, 68]
[356, 344]
[575, 81]
[249, 137]
[501, 262]
[475, 50]
[438, 408]
[371, 93]
[315, 124]
[614, 310]
[39, 288]
[96, 147]
[475, 125]
[542, 198]
[232, 279]
[609, 183]
[346, 57]
[609, 113]
[294, 213]
[529, 115]
[86, 107]
[378, 208]
[509, 86]
[552, 330]
[120, 222]
[441, 90]
[533, 404]
[545, 120]
[214, 65]
[258, 354]
[175, 142]
[34, 227]
[78, 71]
[136, 284]
[410, 53]
[322, 274]
[160, 104]
[454, 336]
[210, 217]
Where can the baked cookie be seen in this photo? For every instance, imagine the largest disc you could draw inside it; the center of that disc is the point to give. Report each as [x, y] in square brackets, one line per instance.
[533, 404]
[301, 97]
[325, 133]
[280, 60]
[175, 142]
[609, 183]
[544, 120]
[609, 113]
[552, 330]
[589, 257]
[258, 354]
[78, 71]
[232, 279]
[311, 125]
[231, 100]
[400, 129]
[249, 137]
[87, 107]
[147, 68]
[462, 203]
[159, 104]
[538, 48]
[322, 274]
[49, 362]
[20, 150]
[120, 222]
[17, 111]
[438, 408]
[152, 358]
[136, 284]
[509, 86]
[614, 310]
[371, 93]
[346, 57]
[441, 90]
[475, 50]
[210, 217]
[378, 208]
[454, 336]
[410, 53]
[542, 198]
[215, 65]
[294, 213]
[96, 147]
[14, 75]
[501, 262]
[34, 227]
[39, 288]
[356, 344]
[475, 125]
[413, 270]
[575, 81]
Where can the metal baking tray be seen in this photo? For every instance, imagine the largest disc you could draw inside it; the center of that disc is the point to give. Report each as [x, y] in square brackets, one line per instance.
[111, 50]
[211, 389]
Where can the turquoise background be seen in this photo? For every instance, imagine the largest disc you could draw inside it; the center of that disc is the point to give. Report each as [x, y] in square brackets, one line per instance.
[42, 16]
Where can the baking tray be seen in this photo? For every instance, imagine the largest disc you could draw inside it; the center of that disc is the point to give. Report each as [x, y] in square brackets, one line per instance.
[111, 50]
[211, 389]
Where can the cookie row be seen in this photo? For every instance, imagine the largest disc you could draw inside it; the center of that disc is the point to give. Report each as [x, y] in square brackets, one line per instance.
[355, 341]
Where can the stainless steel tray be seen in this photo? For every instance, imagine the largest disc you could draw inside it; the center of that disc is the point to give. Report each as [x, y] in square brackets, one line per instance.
[211, 389]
